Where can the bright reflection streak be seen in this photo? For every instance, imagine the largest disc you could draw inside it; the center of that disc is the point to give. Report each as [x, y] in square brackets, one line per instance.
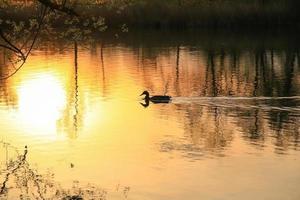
[40, 102]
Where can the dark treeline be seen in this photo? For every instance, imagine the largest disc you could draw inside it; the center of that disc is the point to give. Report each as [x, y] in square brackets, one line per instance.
[206, 13]
[179, 13]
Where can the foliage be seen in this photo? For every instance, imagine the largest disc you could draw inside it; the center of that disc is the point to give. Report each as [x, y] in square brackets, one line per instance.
[186, 13]
[22, 24]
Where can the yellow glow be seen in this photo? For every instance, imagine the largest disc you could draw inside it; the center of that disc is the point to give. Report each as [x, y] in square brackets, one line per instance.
[40, 102]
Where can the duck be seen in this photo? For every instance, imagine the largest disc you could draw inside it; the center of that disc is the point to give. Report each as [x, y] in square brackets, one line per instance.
[156, 98]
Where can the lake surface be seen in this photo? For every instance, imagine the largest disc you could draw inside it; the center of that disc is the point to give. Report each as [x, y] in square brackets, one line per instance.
[230, 132]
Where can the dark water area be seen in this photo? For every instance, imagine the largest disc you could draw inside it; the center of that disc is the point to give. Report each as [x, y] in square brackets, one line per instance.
[234, 115]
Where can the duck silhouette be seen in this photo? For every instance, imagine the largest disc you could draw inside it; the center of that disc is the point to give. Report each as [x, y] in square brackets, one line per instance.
[155, 99]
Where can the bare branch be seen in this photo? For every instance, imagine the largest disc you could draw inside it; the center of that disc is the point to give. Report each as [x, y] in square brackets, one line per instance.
[25, 56]
[10, 46]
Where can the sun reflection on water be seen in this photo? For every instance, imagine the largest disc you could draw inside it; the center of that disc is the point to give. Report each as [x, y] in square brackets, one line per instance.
[40, 102]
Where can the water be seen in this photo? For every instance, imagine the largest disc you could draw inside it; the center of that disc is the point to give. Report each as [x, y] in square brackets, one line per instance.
[230, 132]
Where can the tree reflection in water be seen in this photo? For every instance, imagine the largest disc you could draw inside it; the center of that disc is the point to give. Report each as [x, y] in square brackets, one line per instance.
[232, 73]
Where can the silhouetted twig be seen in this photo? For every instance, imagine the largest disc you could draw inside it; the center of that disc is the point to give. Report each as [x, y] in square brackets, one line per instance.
[24, 56]
[19, 164]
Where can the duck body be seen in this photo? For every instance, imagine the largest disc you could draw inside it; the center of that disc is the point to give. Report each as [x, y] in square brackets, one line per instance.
[156, 98]
[160, 99]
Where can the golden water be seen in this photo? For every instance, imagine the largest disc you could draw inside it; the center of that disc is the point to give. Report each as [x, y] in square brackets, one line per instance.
[79, 113]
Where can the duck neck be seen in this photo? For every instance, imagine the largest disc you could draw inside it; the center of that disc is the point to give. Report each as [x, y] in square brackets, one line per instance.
[146, 104]
[147, 97]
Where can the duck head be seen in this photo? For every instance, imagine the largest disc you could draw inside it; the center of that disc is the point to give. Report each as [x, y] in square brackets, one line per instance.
[146, 93]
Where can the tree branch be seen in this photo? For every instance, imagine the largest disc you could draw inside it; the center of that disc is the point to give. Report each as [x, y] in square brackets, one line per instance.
[10, 46]
[25, 56]
[61, 8]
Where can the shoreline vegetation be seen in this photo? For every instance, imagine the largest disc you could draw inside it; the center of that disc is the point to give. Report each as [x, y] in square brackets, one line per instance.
[20, 180]
[174, 14]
